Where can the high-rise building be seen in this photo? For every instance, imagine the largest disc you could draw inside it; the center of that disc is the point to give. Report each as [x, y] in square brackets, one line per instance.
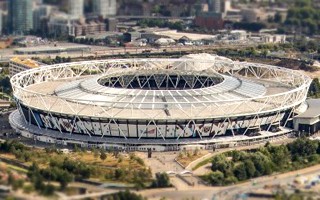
[38, 2]
[75, 8]
[105, 8]
[215, 6]
[227, 5]
[1, 22]
[40, 15]
[20, 16]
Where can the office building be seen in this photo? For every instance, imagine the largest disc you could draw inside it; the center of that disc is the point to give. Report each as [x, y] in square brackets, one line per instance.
[17, 65]
[105, 8]
[20, 16]
[215, 6]
[75, 8]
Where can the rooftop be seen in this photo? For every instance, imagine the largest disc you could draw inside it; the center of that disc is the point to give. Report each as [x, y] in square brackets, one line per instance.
[313, 109]
[26, 62]
[51, 49]
[177, 35]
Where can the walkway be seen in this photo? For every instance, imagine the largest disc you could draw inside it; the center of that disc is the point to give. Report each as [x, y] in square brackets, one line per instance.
[228, 192]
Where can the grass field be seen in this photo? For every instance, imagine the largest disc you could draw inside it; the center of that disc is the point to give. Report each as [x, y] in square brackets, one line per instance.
[16, 168]
[202, 163]
[185, 158]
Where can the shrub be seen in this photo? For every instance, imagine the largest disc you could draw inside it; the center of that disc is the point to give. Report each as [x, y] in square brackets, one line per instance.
[103, 155]
[162, 180]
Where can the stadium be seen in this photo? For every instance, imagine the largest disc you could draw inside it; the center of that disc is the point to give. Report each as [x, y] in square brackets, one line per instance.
[197, 101]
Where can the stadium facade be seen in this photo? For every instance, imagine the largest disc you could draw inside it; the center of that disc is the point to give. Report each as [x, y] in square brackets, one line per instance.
[158, 104]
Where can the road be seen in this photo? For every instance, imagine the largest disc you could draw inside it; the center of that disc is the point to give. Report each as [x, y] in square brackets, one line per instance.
[228, 192]
[94, 195]
[182, 190]
[281, 179]
[98, 51]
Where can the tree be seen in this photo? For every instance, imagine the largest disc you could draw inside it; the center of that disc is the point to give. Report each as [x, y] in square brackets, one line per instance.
[262, 164]
[95, 153]
[303, 3]
[126, 195]
[240, 172]
[280, 155]
[59, 174]
[33, 170]
[162, 180]
[58, 59]
[76, 148]
[237, 155]
[314, 88]
[216, 178]
[164, 11]
[84, 171]
[250, 168]
[17, 184]
[69, 165]
[303, 16]
[10, 179]
[27, 189]
[302, 147]
[277, 17]
[196, 152]
[222, 164]
[176, 25]
[5, 84]
[230, 180]
[103, 155]
[119, 173]
[318, 149]
[64, 179]
[48, 190]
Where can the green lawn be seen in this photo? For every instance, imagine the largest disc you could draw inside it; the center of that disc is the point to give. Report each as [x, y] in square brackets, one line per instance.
[16, 168]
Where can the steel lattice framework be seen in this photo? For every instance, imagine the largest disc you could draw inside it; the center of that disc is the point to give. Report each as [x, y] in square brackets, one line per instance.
[155, 91]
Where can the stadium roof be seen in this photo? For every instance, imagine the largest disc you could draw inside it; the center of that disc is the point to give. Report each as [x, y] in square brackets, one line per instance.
[313, 109]
[246, 88]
